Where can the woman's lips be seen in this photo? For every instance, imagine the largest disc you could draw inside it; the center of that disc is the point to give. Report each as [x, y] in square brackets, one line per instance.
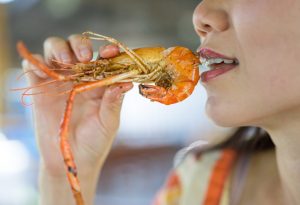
[209, 53]
[216, 68]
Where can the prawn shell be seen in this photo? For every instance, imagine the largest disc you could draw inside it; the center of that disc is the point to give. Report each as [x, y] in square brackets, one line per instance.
[184, 62]
[183, 67]
[149, 55]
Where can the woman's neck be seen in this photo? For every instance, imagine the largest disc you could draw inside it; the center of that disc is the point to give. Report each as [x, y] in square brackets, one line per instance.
[285, 133]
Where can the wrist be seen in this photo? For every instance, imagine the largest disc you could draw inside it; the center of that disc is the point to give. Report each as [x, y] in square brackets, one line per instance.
[55, 189]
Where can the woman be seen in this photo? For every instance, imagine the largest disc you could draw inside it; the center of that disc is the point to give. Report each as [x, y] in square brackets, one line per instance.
[260, 87]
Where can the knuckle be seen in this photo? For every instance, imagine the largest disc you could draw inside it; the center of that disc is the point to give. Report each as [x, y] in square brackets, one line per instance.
[78, 39]
[53, 45]
[51, 41]
[74, 37]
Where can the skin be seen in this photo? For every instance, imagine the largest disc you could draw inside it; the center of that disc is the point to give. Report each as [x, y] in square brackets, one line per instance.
[262, 91]
[92, 131]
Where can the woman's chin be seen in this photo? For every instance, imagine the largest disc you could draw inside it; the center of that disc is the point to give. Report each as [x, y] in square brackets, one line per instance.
[225, 116]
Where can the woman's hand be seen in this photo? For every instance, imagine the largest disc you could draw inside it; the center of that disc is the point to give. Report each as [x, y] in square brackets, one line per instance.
[95, 116]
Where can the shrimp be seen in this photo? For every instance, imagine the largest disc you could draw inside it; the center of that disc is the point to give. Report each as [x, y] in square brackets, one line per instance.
[165, 75]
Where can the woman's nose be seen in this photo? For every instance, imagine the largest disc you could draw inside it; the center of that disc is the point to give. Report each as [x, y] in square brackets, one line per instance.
[209, 16]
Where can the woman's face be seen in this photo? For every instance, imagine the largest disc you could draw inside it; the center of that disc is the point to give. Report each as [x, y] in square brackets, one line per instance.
[264, 36]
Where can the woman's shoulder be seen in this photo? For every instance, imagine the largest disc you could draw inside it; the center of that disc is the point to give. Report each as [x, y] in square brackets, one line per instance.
[211, 172]
[199, 178]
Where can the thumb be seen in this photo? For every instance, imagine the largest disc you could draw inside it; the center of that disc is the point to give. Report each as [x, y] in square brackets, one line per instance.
[109, 112]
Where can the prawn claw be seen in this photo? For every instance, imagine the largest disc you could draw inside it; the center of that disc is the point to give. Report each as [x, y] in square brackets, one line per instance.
[159, 94]
[152, 92]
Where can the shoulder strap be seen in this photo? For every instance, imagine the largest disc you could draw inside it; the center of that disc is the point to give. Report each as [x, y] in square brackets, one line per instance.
[218, 177]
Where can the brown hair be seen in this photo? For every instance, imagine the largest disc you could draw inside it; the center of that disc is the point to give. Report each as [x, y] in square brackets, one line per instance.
[248, 139]
[244, 140]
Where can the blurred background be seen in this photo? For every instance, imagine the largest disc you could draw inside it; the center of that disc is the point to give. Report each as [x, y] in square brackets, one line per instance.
[150, 133]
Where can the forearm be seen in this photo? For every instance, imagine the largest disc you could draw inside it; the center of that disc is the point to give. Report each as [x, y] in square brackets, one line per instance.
[56, 190]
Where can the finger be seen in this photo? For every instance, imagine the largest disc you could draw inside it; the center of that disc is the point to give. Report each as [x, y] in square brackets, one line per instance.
[35, 74]
[58, 49]
[81, 47]
[111, 104]
[109, 51]
[94, 94]
[39, 84]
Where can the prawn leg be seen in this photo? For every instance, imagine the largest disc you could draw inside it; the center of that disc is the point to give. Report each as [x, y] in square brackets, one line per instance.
[64, 140]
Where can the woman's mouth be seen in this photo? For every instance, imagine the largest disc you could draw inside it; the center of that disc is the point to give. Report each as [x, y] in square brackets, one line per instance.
[214, 64]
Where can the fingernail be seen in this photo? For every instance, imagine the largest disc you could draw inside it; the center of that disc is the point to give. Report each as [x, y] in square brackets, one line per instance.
[65, 57]
[85, 52]
[119, 89]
